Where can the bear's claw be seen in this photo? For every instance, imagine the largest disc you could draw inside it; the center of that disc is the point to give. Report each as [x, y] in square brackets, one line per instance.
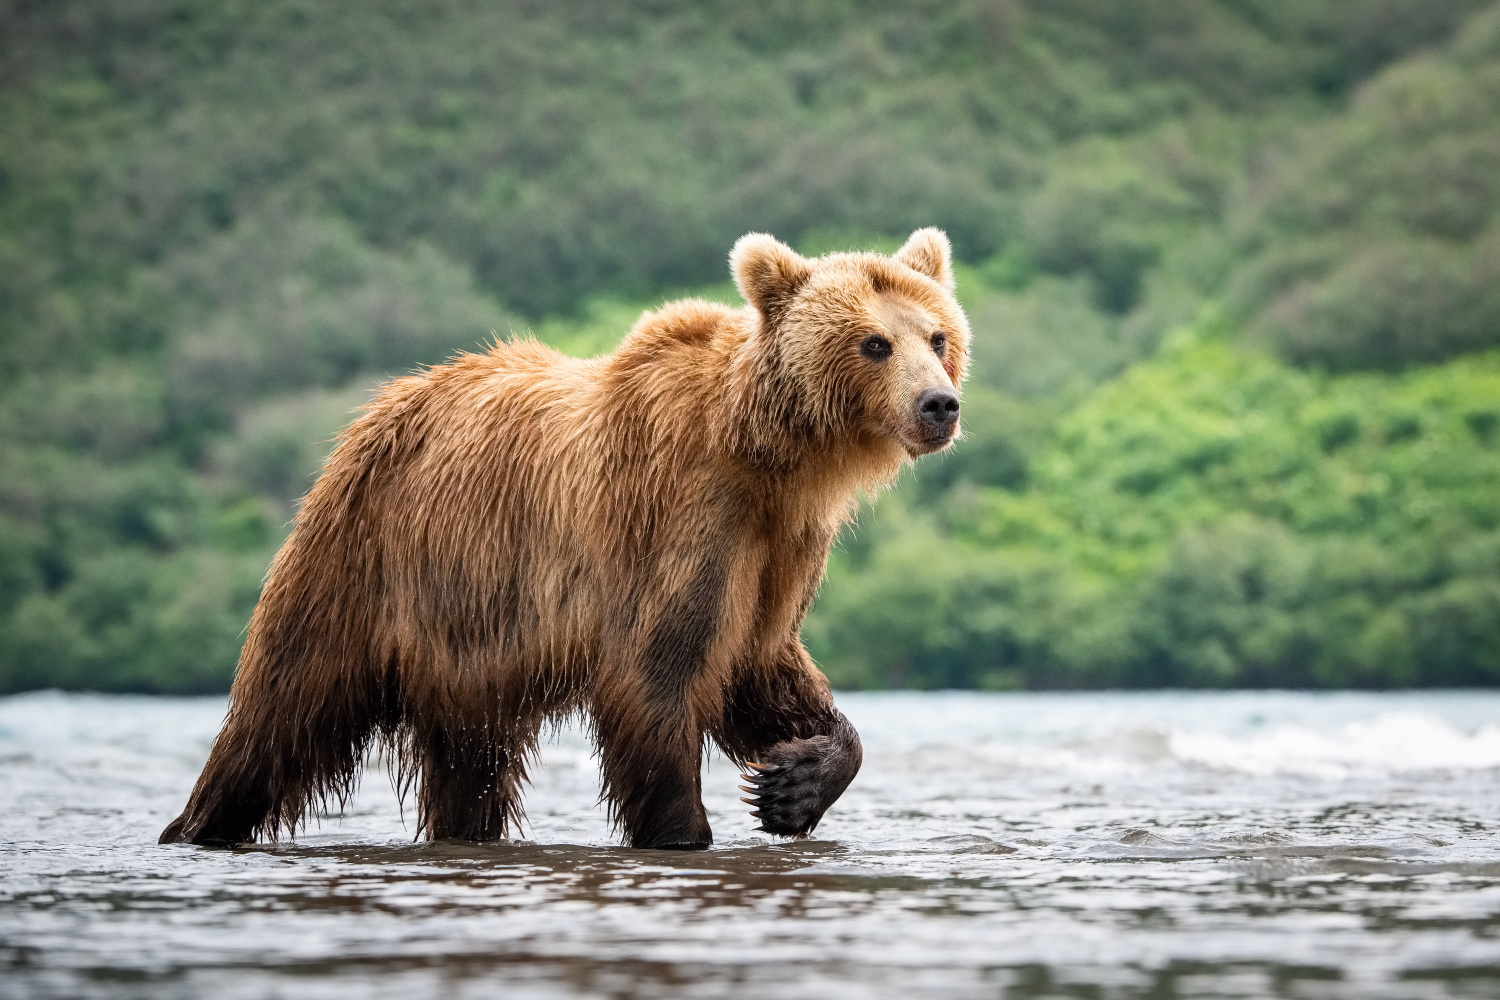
[802, 779]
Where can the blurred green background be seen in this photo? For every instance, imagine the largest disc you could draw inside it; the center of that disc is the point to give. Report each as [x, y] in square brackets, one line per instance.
[1233, 269]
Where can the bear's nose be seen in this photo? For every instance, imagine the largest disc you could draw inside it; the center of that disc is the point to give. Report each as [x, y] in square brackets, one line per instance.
[938, 408]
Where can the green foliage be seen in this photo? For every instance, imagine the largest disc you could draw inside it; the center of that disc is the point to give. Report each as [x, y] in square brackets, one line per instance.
[221, 224]
[1109, 216]
[133, 621]
[1375, 239]
[1211, 518]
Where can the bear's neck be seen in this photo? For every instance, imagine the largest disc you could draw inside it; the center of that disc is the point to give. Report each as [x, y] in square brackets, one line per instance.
[769, 432]
[707, 382]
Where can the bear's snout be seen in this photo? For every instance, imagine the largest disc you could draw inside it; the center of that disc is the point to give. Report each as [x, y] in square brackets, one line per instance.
[937, 409]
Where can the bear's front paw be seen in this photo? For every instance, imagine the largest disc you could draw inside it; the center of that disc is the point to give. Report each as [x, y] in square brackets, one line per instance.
[797, 782]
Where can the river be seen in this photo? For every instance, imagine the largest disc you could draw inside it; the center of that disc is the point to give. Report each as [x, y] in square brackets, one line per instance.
[1105, 845]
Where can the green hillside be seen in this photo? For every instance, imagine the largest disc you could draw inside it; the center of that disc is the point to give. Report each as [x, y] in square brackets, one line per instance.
[1212, 517]
[1233, 269]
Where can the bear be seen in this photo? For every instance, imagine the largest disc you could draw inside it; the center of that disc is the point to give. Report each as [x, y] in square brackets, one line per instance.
[518, 536]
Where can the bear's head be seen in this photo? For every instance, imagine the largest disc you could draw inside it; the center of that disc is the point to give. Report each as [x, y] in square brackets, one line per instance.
[859, 348]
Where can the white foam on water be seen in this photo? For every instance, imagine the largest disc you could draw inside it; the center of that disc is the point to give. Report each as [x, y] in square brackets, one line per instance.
[1329, 736]
[1400, 742]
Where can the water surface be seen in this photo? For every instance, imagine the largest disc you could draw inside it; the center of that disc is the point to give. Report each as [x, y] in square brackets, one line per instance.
[1004, 846]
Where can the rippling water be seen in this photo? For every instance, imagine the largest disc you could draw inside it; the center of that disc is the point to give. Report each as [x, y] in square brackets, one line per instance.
[1092, 845]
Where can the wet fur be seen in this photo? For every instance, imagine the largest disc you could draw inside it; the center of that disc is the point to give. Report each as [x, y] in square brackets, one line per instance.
[518, 536]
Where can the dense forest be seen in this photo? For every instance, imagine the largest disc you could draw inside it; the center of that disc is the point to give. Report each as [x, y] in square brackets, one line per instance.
[1233, 269]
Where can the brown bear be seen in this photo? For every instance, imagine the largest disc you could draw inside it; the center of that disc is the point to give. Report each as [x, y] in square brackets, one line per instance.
[517, 536]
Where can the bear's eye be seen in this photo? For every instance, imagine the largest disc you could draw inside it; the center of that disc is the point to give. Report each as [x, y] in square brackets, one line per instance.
[875, 347]
[939, 341]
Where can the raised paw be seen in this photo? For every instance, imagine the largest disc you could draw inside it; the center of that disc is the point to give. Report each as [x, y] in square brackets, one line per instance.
[798, 780]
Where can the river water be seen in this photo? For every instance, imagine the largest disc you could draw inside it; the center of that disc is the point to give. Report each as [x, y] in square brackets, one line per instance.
[1156, 845]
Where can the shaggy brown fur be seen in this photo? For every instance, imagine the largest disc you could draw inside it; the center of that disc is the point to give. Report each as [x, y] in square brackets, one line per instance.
[517, 536]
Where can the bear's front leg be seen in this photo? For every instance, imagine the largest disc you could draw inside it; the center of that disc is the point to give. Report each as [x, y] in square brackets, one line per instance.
[800, 751]
[651, 767]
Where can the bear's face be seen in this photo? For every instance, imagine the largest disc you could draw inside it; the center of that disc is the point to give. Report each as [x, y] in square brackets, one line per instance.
[862, 344]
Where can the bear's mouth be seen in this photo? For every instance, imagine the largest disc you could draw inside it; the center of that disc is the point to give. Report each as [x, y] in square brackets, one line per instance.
[928, 444]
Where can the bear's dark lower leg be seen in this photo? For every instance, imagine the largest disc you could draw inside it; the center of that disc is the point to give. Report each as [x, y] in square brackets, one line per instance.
[665, 811]
[270, 764]
[653, 783]
[800, 752]
[231, 804]
[663, 808]
[470, 783]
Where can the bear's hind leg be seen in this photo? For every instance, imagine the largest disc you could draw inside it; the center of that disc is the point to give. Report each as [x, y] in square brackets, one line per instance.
[288, 745]
[471, 774]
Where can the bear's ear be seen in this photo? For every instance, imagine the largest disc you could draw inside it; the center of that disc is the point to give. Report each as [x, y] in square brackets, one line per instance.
[767, 271]
[929, 252]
